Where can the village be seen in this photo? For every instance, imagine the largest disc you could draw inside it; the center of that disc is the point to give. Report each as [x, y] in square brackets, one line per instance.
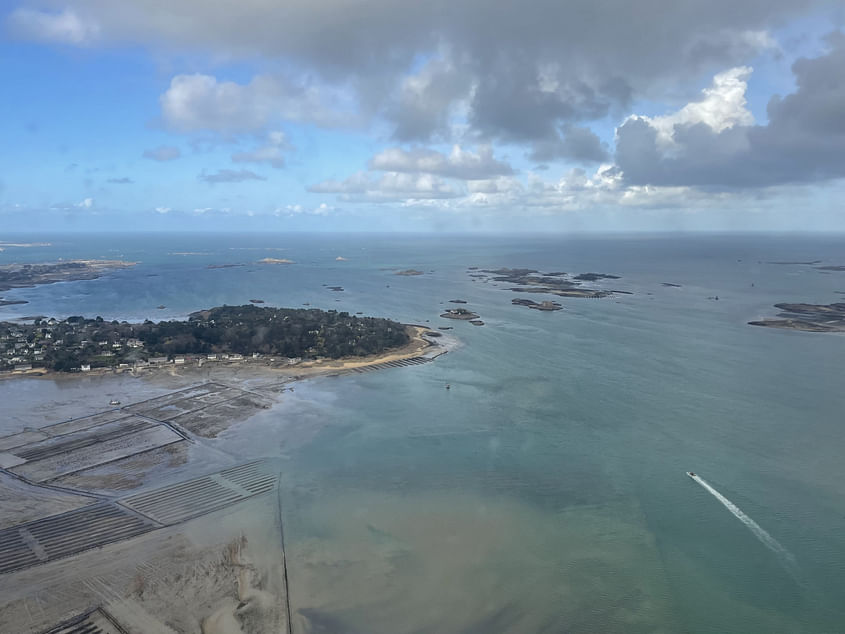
[28, 348]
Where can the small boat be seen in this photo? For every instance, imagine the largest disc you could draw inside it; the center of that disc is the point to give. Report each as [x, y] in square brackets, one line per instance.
[448, 387]
[691, 474]
[114, 401]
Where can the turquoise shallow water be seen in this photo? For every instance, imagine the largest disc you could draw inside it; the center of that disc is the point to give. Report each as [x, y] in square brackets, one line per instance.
[545, 491]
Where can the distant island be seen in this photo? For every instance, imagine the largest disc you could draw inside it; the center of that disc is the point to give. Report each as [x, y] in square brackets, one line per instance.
[410, 272]
[459, 313]
[807, 318]
[546, 306]
[80, 344]
[28, 275]
[533, 281]
[592, 277]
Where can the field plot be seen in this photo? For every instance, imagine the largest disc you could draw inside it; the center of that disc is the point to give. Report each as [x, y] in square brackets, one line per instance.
[22, 502]
[179, 502]
[104, 522]
[49, 462]
[96, 622]
[212, 419]
[127, 473]
[66, 534]
[205, 410]
[175, 403]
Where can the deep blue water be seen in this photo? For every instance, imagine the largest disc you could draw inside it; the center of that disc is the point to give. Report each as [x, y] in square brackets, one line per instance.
[545, 491]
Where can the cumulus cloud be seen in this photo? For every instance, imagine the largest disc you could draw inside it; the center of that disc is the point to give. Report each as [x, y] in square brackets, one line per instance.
[459, 164]
[162, 153]
[66, 27]
[270, 152]
[199, 103]
[230, 176]
[389, 187]
[713, 142]
[722, 106]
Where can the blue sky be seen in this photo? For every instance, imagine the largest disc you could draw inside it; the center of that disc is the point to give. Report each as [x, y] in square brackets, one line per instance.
[266, 116]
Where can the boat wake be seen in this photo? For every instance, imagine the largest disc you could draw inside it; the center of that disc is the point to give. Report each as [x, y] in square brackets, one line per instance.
[770, 542]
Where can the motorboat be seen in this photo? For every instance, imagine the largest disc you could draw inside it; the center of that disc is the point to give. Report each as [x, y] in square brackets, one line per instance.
[691, 474]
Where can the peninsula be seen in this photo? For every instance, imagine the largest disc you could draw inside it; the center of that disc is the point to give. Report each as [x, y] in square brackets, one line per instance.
[29, 275]
[807, 318]
[226, 332]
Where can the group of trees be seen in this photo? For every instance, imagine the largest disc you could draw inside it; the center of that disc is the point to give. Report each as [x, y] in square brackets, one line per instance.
[276, 331]
[228, 329]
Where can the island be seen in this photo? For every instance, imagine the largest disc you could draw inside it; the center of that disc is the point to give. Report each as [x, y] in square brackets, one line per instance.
[78, 344]
[546, 306]
[533, 281]
[29, 275]
[409, 272]
[459, 313]
[592, 277]
[807, 318]
[223, 266]
[457, 301]
[837, 267]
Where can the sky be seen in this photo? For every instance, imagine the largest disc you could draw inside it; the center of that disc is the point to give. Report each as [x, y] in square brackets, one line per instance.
[445, 115]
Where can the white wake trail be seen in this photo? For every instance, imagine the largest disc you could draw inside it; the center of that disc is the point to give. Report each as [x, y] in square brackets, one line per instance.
[753, 526]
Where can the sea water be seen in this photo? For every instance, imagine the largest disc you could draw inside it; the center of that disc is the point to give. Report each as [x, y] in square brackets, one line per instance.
[545, 490]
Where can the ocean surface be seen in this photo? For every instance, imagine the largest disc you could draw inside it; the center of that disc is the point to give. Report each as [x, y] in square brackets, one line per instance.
[546, 490]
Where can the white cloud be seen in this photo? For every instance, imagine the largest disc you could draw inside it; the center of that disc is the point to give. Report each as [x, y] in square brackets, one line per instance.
[269, 152]
[323, 209]
[230, 176]
[460, 164]
[195, 103]
[86, 203]
[722, 106]
[163, 210]
[389, 187]
[60, 28]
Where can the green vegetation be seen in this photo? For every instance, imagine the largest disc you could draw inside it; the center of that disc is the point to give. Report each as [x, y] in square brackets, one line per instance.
[234, 330]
